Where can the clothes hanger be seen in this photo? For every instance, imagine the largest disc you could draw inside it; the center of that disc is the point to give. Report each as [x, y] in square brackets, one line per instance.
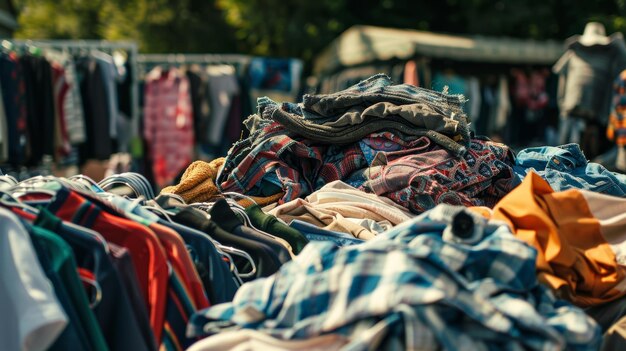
[159, 211]
[13, 202]
[34, 211]
[80, 178]
[93, 304]
[136, 181]
[91, 232]
[233, 251]
[177, 197]
[8, 179]
[203, 206]
[225, 251]
[78, 186]
[30, 186]
[87, 277]
[107, 185]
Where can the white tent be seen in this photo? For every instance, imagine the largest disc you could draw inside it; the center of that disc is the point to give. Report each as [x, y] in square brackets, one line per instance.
[364, 44]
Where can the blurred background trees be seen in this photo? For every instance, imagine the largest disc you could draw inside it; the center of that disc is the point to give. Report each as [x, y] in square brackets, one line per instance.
[300, 28]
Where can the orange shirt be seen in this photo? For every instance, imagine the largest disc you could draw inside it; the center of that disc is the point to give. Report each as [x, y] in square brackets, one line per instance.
[569, 229]
[178, 256]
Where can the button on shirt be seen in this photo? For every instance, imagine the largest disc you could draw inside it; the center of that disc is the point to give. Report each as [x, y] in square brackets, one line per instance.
[422, 285]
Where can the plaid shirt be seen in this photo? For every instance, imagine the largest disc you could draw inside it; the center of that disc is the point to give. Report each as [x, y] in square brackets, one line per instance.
[425, 175]
[273, 156]
[418, 284]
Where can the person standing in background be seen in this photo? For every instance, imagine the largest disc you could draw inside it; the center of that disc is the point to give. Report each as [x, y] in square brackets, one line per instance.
[586, 72]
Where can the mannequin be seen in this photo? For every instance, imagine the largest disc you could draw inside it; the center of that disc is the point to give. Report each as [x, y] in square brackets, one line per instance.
[586, 74]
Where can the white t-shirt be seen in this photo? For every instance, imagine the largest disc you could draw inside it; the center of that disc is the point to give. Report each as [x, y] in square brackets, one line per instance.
[31, 317]
[251, 340]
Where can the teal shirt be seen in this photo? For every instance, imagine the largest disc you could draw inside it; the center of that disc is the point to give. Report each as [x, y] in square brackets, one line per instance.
[62, 270]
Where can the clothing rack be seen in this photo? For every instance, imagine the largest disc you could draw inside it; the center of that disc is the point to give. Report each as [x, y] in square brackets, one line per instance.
[101, 45]
[193, 58]
[148, 61]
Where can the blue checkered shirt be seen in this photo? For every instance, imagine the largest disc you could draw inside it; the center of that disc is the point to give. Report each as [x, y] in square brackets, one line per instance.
[417, 286]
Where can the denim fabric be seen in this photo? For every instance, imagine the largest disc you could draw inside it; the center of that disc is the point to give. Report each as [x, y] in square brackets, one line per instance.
[425, 285]
[565, 167]
[314, 233]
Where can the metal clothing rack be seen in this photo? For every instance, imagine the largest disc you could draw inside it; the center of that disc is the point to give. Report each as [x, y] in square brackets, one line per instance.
[193, 58]
[149, 61]
[101, 45]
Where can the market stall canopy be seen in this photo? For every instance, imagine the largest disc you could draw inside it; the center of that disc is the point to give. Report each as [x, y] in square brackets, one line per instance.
[363, 44]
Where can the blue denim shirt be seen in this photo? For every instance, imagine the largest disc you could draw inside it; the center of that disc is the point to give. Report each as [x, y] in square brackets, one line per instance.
[565, 167]
[447, 279]
[315, 233]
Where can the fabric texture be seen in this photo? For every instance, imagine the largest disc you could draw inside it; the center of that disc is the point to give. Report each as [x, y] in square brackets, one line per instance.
[59, 256]
[422, 177]
[251, 340]
[272, 161]
[615, 337]
[198, 182]
[566, 167]
[445, 280]
[586, 74]
[339, 207]
[148, 255]
[124, 322]
[40, 106]
[298, 148]
[616, 129]
[375, 105]
[14, 99]
[168, 123]
[261, 200]
[272, 225]
[581, 249]
[315, 233]
[96, 110]
[121, 325]
[264, 258]
[73, 106]
[32, 316]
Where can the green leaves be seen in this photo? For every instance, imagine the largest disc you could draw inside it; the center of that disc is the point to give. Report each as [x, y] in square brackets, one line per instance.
[300, 28]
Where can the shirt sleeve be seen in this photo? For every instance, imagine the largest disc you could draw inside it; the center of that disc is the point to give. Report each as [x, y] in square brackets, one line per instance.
[32, 317]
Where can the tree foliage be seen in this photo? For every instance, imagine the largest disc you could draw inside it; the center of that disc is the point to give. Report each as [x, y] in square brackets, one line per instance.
[301, 28]
[157, 25]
